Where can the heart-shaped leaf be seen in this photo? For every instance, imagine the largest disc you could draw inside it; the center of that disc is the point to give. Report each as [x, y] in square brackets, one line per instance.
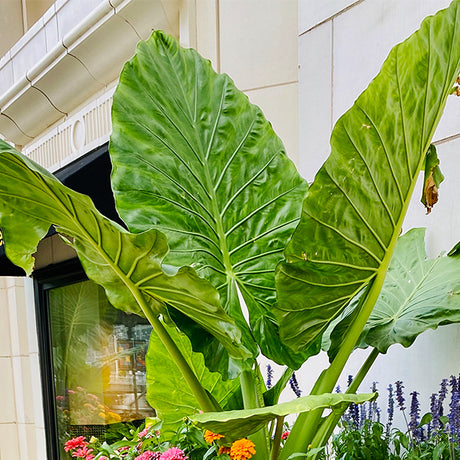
[353, 212]
[194, 158]
[418, 294]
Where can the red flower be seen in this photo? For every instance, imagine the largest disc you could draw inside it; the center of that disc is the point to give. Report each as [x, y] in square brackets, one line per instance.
[285, 435]
[75, 443]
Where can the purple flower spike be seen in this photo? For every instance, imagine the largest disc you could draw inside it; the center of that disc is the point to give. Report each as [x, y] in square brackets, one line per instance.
[269, 376]
[454, 417]
[453, 382]
[295, 385]
[399, 394]
[415, 416]
[349, 380]
[434, 409]
[442, 396]
[391, 408]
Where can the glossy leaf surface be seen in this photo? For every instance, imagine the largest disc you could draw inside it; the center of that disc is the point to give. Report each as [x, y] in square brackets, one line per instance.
[353, 212]
[167, 390]
[241, 423]
[127, 265]
[194, 158]
[418, 294]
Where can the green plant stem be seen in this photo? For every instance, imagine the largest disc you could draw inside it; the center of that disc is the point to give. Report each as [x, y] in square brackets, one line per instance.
[307, 423]
[205, 402]
[277, 438]
[331, 421]
[249, 390]
[197, 389]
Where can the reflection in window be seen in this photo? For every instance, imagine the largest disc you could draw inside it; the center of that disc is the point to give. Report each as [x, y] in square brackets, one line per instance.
[98, 359]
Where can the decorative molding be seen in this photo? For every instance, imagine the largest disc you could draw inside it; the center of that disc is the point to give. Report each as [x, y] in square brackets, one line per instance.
[81, 132]
[42, 81]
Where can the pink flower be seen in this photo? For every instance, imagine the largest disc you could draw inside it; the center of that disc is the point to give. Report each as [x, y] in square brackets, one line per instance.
[75, 443]
[148, 455]
[285, 435]
[84, 452]
[144, 432]
[174, 453]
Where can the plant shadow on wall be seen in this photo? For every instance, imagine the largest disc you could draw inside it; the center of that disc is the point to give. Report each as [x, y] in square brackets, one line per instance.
[203, 183]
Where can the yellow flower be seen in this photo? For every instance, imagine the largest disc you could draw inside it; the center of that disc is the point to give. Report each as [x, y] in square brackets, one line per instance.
[242, 449]
[210, 437]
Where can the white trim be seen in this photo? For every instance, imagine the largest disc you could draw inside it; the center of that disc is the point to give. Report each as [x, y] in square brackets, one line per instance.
[81, 63]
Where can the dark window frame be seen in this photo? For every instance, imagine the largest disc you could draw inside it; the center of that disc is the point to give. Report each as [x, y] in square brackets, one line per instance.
[45, 279]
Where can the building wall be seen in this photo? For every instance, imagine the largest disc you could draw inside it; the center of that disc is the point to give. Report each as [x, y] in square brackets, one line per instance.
[21, 417]
[342, 45]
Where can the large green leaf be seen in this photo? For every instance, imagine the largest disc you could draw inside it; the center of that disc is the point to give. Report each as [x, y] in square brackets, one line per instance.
[194, 158]
[237, 424]
[167, 390]
[127, 265]
[353, 212]
[418, 294]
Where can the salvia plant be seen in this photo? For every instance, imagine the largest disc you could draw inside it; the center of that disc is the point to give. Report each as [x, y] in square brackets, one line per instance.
[435, 435]
[229, 254]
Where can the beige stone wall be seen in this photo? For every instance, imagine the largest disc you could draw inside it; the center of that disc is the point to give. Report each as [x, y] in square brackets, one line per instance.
[255, 42]
[21, 415]
[15, 20]
[11, 24]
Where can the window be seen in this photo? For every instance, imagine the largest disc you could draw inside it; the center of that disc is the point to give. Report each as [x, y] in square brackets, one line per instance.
[93, 356]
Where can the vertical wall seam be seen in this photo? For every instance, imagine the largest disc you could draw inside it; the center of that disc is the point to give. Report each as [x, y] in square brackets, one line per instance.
[332, 75]
[218, 63]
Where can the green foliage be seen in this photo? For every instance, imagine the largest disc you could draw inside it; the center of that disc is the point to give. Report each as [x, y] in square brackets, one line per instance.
[212, 175]
[354, 210]
[192, 158]
[236, 424]
[418, 294]
[371, 441]
[167, 390]
[127, 265]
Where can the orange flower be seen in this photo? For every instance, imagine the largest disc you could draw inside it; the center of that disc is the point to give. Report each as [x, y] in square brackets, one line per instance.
[223, 450]
[210, 437]
[242, 449]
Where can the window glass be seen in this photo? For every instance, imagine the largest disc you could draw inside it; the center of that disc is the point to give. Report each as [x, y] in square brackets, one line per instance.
[98, 361]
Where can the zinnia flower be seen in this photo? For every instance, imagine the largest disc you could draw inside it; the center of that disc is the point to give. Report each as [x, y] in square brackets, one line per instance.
[83, 452]
[75, 443]
[285, 435]
[143, 432]
[242, 449]
[223, 450]
[148, 455]
[210, 437]
[174, 453]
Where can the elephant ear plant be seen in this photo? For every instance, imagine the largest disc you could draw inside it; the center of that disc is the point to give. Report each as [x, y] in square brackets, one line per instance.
[227, 253]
